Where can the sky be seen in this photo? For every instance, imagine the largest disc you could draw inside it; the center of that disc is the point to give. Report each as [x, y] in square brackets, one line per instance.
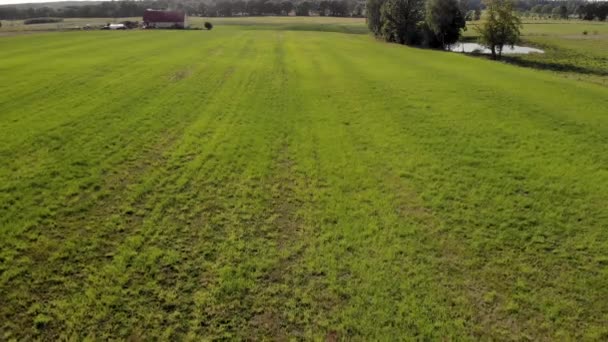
[10, 2]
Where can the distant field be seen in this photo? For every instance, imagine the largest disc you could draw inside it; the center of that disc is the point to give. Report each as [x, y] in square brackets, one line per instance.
[9, 26]
[567, 50]
[269, 183]
[354, 25]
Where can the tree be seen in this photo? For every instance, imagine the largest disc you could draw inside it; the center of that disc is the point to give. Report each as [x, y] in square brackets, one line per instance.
[374, 22]
[303, 8]
[602, 11]
[573, 6]
[400, 21]
[358, 10]
[463, 5]
[255, 7]
[224, 9]
[239, 7]
[538, 10]
[445, 20]
[555, 13]
[286, 7]
[323, 8]
[501, 27]
[563, 12]
[203, 9]
[338, 8]
[477, 14]
[470, 16]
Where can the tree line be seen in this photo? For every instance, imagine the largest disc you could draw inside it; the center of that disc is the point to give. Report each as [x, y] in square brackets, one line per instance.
[471, 9]
[439, 23]
[594, 11]
[563, 9]
[428, 23]
[218, 8]
[583, 10]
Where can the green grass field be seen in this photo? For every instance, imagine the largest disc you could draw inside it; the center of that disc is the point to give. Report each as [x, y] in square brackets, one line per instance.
[282, 183]
[568, 51]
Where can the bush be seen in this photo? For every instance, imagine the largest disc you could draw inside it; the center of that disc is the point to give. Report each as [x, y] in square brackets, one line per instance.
[208, 25]
[42, 21]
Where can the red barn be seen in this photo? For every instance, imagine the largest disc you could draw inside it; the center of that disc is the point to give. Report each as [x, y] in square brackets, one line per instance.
[164, 19]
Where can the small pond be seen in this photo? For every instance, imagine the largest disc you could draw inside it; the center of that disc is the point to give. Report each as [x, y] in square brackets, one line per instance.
[474, 47]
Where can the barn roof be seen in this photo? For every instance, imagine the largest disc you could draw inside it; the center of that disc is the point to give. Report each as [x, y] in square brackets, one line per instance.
[156, 16]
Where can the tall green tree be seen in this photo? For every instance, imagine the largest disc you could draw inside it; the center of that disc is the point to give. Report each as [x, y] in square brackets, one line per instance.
[477, 14]
[303, 8]
[537, 9]
[501, 27]
[445, 19]
[374, 22]
[401, 21]
[563, 12]
[547, 9]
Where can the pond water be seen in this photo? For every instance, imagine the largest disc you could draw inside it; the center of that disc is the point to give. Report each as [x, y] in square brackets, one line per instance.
[474, 47]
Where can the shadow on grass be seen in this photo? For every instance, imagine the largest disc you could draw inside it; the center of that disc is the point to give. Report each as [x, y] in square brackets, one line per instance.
[554, 59]
[553, 66]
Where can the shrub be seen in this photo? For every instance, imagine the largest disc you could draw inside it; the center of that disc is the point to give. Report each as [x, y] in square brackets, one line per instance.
[585, 33]
[42, 21]
[208, 25]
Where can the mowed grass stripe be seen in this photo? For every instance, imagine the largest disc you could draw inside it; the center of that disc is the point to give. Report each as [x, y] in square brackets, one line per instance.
[227, 232]
[367, 244]
[53, 66]
[57, 45]
[115, 124]
[93, 71]
[125, 162]
[219, 109]
[561, 199]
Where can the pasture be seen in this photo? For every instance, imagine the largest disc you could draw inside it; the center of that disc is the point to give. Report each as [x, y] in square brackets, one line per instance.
[574, 49]
[295, 180]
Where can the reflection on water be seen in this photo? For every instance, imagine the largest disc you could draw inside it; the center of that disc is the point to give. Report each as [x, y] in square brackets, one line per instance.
[474, 47]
